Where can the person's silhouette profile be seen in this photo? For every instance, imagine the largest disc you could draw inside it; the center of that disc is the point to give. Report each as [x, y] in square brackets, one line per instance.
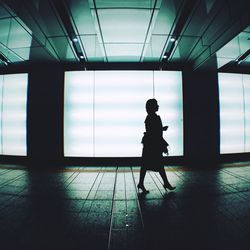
[153, 146]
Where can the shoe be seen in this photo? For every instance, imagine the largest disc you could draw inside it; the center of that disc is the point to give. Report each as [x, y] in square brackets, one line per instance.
[143, 189]
[168, 186]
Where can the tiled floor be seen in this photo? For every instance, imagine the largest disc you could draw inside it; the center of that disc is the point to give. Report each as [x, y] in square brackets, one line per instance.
[99, 208]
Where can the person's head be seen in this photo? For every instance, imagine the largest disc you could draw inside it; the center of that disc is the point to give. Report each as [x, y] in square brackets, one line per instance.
[152, 106]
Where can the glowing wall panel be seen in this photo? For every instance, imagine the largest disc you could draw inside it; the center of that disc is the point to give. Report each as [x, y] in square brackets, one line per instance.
[104, 111]
[119, 111]
[234, 93]
[13, 96]
[169, 95]
[246, 84]
[78, 114]
[1, 115]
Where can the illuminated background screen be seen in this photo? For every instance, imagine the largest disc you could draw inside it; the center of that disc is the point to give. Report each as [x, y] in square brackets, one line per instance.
[104, 111]
[234, 93]
[13, 100]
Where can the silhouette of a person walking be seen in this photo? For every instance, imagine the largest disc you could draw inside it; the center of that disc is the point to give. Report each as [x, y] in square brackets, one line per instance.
[153, 146]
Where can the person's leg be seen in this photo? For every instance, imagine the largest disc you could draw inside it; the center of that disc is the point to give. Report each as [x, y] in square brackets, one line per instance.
[163, 175]
[165, 179]
[142, 176]
[141, 180]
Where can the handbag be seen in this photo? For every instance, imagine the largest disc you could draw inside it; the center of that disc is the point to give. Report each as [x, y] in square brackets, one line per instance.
[144, 138]
[164, 146]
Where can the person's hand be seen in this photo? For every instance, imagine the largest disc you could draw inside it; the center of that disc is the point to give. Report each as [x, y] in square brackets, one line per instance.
[165, 128]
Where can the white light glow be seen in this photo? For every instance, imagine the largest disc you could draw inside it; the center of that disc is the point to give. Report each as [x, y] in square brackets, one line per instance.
[78, 106]
[234, 92]
[104, 111]
[13, 114]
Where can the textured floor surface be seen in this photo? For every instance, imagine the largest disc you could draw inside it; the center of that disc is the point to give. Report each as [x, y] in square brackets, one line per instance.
[99, 208]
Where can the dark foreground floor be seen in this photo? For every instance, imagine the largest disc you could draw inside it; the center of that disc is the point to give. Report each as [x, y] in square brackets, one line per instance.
[99, 208]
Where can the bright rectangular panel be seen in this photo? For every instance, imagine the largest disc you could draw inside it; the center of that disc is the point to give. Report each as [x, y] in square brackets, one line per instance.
[125, 4]
[1, 115]
[123, 52]
[104, 111]
[232, 116]
[124, 29]
[168, 92]
[78, 114]
[120, 111]
[13, 114]
[246, 84]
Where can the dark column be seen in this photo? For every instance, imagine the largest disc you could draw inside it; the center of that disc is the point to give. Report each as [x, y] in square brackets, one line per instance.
[201, 115]
[45, 115]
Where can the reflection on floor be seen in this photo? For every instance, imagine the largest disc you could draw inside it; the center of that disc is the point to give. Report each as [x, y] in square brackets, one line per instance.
[99, 208]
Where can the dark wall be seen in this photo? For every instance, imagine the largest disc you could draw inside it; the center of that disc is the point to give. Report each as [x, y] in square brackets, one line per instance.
[45, 114]
[201, 115]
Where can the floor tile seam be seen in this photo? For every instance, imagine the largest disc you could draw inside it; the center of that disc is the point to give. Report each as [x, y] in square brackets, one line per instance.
[6, 171]
[231, 192]
[127, 199]
[4, 183]
[235, 175]
[72, 178]
[15, 192]
[13, 179]
[239, 191]
[112, 213]
[91, 189]
[156, 183]
[125, 193]
[9, 182]
[69, 178]
[137, 200]
[8, 202]
[232, 172]
[66, 187]
[231, 218]
[242, 182]
[235, 191]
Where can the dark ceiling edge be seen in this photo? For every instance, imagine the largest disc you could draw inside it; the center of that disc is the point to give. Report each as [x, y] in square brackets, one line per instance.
[233, 67]
[74, 66]
[27, 67]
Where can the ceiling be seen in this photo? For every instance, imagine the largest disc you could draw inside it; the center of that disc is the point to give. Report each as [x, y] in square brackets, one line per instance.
[185, 32]
[236, 53]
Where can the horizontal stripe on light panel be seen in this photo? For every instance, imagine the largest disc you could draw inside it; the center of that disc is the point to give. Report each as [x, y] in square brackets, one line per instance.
[11, 116]
[110, 107]
[116, 135]
[233, 132]
[80, 134]
[15, 100]
[12, 141]
[80, 99]
[80, 115]
[236, 148]
[104, 150]
[234, 114]
[14, 149]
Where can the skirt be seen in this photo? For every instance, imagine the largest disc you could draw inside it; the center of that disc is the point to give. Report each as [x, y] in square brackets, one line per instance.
[152, 158]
